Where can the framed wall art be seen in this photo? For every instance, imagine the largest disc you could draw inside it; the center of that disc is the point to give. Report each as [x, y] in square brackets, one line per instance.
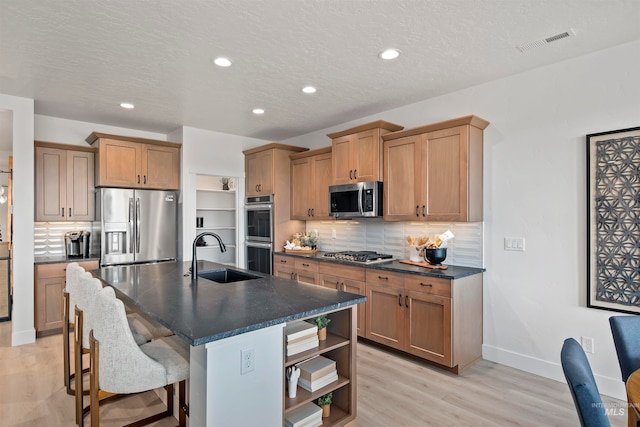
[613, 220]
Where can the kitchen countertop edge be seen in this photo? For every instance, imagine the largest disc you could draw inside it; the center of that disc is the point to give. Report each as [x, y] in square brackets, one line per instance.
[62, 259]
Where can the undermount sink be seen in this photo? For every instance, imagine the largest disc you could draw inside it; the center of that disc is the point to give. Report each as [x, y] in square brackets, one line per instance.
[226, 275]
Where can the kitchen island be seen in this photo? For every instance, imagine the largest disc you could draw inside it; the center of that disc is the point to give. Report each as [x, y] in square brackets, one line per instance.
[220, 321]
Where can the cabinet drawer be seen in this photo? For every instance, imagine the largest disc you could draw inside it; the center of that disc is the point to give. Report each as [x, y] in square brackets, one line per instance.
[48, 271]
[342, 271]
[429, 285]
[306, 265]
[283, 260]
[386, 278]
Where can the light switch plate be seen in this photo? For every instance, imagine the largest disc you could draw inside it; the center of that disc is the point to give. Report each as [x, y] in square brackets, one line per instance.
[514, 244]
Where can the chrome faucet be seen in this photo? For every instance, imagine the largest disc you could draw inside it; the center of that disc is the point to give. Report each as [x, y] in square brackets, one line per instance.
[194, 261]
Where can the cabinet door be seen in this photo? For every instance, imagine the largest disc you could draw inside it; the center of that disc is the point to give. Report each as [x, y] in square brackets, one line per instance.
[385, 315]
[322, 179]
[301, 188]
[447, 174]
[329, 281]
[283, 267]
[357, 287]
[160, 167]
[49, 305]
[342, 169]
[428, 327]
[265, 185]
[80, 186]
[51, 184]
[403, 179]
[120, 163]
[366, 156]
[251, 168]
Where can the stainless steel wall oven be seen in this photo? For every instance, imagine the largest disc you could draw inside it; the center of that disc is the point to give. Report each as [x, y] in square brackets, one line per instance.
[259, 233]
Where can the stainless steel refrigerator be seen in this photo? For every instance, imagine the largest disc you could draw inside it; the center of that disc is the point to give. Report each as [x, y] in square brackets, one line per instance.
[137, 226]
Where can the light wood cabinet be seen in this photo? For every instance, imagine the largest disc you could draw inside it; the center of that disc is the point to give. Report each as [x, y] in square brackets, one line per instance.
[434, 318]
[434, 172]
[357, 152]
[303, 270]
[49, 284]
[340, 346]
[136, 162]
[64, 182]
[347, 278]
[268, 172]
[310, 180]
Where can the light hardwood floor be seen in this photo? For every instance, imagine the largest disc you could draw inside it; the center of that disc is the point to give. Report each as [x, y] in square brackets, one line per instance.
[392, 391]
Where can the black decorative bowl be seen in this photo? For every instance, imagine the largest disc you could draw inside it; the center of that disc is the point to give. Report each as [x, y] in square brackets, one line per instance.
[435, 256]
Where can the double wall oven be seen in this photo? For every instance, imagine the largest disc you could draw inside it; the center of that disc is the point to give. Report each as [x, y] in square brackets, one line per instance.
[259, 233]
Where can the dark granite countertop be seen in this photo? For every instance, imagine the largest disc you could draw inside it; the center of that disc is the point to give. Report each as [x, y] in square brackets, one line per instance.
[206, 311]
[453, 272]
[63, 259]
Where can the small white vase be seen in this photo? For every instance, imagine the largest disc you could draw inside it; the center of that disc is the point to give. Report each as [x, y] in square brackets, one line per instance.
[415, 253]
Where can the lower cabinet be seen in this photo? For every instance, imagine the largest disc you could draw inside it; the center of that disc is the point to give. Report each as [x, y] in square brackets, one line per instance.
[347, 278]
[49, 283]
[303, 270]
[433, 318]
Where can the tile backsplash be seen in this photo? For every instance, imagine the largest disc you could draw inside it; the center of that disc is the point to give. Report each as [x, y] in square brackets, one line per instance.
[465, 249]
[49, 237]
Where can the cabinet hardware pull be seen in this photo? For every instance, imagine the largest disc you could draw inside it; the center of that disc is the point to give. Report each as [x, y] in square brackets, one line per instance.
[138, 179]
[69, 212]
[355, 174]
[417, 210]
[337, 285]
[400, 300]
[344, 288]
[308, 212]
[283, 261]
[424, 212]
[350, 174]
[305, 265]
[426, 284]
[313, 212]
[256, 188]
[291, 276]
[406, 301]
[63, 212]
[260, 187]
[383, 278]
[145, 179]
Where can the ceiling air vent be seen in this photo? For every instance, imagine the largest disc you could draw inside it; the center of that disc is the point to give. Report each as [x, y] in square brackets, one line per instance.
[539, 43]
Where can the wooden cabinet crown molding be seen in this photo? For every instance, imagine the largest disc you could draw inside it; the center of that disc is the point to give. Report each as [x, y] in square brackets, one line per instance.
[95, 136]
[474, 121]
[381, 124]
[311, 153]
[61, 146]
[274, 145]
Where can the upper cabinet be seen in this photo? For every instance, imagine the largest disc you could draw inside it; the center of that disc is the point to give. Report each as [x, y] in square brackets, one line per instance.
[64, 184]
[136, 162]
[357, 152]
[310, 180]
[434, 172]
[267, 169]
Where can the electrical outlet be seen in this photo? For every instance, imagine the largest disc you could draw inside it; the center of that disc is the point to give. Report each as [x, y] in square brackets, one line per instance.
[247, 361]
[587, 344]
[514, 244]
[333, 234]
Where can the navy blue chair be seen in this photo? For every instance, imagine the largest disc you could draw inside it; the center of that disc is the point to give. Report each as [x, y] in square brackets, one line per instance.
[582, 385]
[626, 337]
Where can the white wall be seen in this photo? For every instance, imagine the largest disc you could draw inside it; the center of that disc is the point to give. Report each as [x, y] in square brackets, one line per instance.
[535, 188]
[23, 331]
[210, 153]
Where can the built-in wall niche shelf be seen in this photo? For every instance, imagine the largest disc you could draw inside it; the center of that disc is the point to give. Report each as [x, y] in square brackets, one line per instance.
[216, 211]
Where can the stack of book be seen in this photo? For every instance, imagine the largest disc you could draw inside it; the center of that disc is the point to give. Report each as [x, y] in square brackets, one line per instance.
[301, 336]
[307, 415]
[316, 373]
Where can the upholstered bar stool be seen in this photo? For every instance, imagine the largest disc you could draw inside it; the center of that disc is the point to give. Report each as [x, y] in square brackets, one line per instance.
[119, 365]
[626, 338]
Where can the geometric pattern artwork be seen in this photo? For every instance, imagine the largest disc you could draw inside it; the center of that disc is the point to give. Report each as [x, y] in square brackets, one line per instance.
[615, 216]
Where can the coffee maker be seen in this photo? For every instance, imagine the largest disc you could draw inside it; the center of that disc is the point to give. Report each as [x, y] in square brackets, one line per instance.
[76, 244]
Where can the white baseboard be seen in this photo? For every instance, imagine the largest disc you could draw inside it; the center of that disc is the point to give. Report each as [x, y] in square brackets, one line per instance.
[23, 337]
[612, 387]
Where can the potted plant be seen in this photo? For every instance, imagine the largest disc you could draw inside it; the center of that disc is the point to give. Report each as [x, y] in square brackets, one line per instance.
[322, 322]
[325, 403]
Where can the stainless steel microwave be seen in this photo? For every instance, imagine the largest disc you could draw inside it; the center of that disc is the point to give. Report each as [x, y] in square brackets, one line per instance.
[363, 199]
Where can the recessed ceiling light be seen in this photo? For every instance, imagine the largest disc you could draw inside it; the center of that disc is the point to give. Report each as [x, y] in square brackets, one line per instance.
[222, 62]
[127, 105]
[389, 54]
[309, 89]
[258, 111]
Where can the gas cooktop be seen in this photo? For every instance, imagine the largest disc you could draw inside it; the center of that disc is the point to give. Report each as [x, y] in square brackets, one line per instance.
[367, 257]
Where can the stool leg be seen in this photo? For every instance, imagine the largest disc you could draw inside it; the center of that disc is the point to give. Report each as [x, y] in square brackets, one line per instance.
[182, 410]
[94, 401]
[77, 335]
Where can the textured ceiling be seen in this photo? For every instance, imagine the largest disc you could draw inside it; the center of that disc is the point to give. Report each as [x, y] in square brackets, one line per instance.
[78, 59]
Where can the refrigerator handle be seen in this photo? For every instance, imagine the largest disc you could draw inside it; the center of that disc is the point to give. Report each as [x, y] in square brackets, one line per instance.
[130, 230]
[137, 225]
